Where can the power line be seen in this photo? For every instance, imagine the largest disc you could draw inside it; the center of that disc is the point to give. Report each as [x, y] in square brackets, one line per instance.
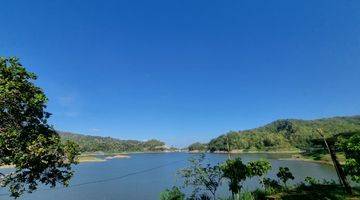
[126, 175]
[109, 179]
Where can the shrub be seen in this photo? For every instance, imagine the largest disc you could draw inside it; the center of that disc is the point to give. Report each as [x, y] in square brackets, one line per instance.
[172, 194]
[201, 177]
[311, 181]
[236, 172]
[284, 175]
[351, 148]
[271, 186]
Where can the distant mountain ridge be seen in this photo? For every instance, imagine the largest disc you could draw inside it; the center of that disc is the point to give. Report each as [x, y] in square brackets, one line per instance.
[285, 134]
[90, 143]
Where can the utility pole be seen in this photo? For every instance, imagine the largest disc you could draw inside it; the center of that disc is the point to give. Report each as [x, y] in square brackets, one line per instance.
[228, 146]
[340, 172]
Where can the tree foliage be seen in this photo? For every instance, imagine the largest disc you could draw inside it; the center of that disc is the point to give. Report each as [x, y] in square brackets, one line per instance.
[26, 139]
[153, 145]
[236, 171]
[271, 184]
[284, 174]
[208, 178]
[284, 134]
[258, 167]
[351, 148]
[89, 143]
[201, 177]
[197, 146]
[172, 194]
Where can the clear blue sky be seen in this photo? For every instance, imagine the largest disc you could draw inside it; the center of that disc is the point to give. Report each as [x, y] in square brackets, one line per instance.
[184, 70]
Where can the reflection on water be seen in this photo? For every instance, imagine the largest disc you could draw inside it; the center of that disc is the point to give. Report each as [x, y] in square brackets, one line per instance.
[144, 176]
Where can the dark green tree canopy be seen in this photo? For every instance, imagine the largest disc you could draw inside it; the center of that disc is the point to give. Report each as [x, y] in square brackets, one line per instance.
[284, 174]
[89, 143]
[236, 171]
[289, 134]
[153, 144]
[172, 194]
[351, 148]
[26, 139]
[258, 167]
[197, 146]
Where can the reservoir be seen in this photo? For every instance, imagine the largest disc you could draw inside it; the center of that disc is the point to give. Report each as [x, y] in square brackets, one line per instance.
[144, 175]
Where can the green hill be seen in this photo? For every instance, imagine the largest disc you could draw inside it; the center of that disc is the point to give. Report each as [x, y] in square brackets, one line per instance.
[197, 146]
[89, 143]
[285, 134]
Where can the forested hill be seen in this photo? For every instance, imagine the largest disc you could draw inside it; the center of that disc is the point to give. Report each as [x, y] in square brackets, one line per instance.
[284, 134]
[89, 143]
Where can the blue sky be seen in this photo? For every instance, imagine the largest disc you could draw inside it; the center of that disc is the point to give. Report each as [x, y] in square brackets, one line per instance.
[184, 70]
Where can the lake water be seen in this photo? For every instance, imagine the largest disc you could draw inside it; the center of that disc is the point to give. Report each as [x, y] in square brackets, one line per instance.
[144, 176]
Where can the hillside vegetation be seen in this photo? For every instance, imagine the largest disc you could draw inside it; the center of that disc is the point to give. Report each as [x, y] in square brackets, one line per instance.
[197, 146]
[284, 134]
[107, 144]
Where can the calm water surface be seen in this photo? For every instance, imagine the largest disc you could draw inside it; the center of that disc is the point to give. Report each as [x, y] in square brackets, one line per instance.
[144, 176]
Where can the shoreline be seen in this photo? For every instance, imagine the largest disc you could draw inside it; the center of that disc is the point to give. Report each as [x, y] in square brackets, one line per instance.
[308, 160]
[324, 159]
[86, 158]
[7, 166]
[254, 152]
[250, 152]
[91, 157]
[127, 153]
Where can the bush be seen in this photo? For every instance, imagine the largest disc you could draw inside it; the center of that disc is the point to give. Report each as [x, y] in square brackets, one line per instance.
[271, 186]
[258, 168]
[311, 181]
[284, 174]
[172, 194]
[246, 196]
[200, 177]
[236, 172]
[351, 148]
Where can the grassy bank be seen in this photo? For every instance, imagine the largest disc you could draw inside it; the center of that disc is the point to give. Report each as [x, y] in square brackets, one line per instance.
[89, 158]
[85, 158]
[316, 192]
[93, 157]
[316, 157]
[239, 151]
